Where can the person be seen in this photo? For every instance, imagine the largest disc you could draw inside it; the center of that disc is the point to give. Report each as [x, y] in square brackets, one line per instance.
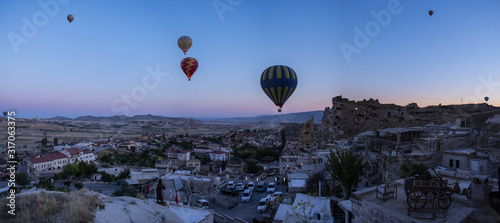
[159, 192]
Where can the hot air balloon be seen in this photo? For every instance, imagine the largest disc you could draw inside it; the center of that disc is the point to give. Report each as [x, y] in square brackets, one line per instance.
[431, 12]
[185, 43]
[189, 66]
[5, 113]
[70, 18]
[279, 83]
[486, 99]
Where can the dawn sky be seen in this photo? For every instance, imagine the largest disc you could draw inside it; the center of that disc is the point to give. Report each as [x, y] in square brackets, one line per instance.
[121, 57]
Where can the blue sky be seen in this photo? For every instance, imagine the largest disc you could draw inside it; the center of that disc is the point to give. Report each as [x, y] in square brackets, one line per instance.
[104, 58]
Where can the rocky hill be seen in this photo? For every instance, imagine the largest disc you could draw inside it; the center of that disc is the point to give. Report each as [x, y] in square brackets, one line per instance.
[350, 117]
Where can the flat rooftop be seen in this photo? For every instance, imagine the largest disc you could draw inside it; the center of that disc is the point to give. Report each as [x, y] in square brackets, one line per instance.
[460, 207]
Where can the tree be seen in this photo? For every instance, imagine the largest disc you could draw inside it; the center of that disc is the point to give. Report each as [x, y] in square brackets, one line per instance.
[107, 159]
[78, 185]
[70, 169]
[124, 174]
[22, 178]
[252, 167]
[44, 142]
[125, 190]
[312, 184]
[205, 159]
[56, 141]
[87, 170]
[302, 211]
[408, 168]
[106, 177]
[346, 167]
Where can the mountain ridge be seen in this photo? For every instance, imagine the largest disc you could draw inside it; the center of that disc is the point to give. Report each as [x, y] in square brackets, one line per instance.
[298, 117]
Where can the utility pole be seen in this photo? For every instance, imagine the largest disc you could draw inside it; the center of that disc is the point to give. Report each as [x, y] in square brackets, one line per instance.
[319, 191]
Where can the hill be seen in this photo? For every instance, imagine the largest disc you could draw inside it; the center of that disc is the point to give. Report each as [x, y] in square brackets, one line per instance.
[300, 117]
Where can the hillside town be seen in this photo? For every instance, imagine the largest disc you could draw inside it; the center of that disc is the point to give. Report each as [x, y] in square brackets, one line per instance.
[365, 162]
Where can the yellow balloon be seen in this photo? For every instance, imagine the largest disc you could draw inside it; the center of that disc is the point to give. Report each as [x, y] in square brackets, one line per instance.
[184, 43]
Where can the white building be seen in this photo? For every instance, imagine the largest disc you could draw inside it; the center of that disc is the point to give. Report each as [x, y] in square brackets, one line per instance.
[305, 208]
[115, 171]
[194, 165]
[47, 161]
[179, 154]
[141, 176]
[221, 156]
[76, 155]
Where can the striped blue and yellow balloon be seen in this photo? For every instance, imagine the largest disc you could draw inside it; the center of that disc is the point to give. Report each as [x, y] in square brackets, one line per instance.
[279, 83]
[184, 42]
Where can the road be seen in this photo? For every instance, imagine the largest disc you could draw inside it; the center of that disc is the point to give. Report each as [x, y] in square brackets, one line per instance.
[104, 188]
[246, 211]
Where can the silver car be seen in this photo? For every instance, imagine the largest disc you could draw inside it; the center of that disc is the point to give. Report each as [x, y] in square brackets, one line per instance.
[247, 194]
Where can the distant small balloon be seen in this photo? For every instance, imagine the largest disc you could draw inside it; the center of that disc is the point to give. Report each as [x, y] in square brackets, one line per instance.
[5, 113]
[486, 99]
[431, 12]
[70, 18]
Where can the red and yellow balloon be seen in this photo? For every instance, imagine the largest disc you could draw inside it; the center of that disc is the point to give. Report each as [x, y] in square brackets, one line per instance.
[189, 65]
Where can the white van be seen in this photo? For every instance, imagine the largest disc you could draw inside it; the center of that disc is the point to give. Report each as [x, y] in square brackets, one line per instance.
[263, 203]
[202, 203]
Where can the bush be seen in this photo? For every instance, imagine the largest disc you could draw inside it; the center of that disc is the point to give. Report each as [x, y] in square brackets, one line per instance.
[72, 207]
[125, 190]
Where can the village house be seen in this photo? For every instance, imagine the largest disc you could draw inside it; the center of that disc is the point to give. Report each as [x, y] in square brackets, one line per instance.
[46, 161]
[76, 155]
[219, 155]
[179, 154]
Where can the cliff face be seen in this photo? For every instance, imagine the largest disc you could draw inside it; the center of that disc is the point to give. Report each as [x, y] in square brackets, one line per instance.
[353, 117]
[307, 132]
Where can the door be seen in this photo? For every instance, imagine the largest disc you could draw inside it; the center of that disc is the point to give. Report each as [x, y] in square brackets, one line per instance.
[474, 166]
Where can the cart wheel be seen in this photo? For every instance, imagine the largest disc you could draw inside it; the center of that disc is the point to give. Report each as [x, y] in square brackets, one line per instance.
[416, 200]
[408, 192]
[469, 193]
[444, 201]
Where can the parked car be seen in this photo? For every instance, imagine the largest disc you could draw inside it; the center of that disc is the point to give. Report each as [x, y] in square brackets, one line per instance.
[202, 203]
[228, 191]
[240, 186]
[261, 187]
[277, 193]
[251, 186]
[271, 188]
[263, 204]
[247, 195]
[231, 185]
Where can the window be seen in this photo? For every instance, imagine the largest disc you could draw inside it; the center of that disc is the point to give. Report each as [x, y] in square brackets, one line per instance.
[457, 164]
[451, 163]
